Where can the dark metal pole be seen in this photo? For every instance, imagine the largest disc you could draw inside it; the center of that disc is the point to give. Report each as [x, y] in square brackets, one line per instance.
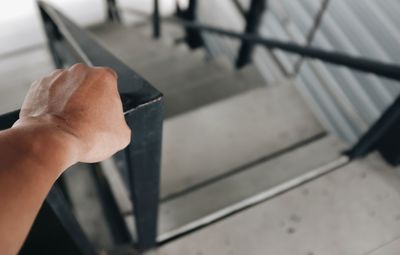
[192, 36]
[253, 19]
[115, 218]
[156, 20]
[387, 70]
[112, 11]
[383, 136]
[56, 230]
[144, 159]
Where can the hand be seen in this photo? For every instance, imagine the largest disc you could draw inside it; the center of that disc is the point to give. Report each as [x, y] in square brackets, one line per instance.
[81, 106]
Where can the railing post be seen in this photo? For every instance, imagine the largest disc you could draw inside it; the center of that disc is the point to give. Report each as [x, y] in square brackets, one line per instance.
[112, 11]
[193, 36]
[156, 20]
[53, 36]
[382, 136]
[56, 230]
[253, 19]
[143, 161]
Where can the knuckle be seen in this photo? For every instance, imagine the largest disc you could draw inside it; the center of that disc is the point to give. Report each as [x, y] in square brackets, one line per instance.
[78, 67]
[107, 72]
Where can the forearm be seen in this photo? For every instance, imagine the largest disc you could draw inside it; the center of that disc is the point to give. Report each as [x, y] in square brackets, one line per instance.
[31, 159]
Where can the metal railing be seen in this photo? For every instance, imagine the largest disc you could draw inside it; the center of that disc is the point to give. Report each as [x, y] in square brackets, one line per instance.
[381, 136]
[143, 110]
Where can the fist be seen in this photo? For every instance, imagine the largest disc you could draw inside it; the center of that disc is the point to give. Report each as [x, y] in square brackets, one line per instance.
[84, 103]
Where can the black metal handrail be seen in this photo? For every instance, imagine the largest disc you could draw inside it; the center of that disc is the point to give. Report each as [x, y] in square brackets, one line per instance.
[382, 136]
[387, 70]
[143, 110]
[379, 68]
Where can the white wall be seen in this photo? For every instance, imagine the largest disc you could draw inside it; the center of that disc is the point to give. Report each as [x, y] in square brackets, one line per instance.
[19, 25]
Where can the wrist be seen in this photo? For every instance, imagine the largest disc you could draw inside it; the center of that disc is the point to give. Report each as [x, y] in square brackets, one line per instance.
[45, 144]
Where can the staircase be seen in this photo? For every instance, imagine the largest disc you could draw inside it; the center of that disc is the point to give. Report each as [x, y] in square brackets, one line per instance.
[246, 167]
[230, 141]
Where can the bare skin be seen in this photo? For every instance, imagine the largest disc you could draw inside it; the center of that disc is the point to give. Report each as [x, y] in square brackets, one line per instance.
[70, 116]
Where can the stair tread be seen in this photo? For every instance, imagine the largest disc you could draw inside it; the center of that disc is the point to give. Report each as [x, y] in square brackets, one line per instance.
[180, 211]
[224, 135]
[210, 89]
[159, 63]
[186, 78]
[354, 206]
[17, 73]
[129, 42]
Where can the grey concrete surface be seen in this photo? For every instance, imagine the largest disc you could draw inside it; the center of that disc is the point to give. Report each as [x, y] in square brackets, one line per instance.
[17, 72]
[390, 248]
[253, 181]
[352, 211]
[186, 78]
[227, 134]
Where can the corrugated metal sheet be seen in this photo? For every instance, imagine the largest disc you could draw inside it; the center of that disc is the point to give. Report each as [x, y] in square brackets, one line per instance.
[346, 101]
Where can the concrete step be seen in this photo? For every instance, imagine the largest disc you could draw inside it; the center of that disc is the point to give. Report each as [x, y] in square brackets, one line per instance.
[187, 79]
[18, 71]
[243, 188]
[247, 185]
[11, 98]
[211, 88]
[149, 57]
[130, 42]
[170, 32]
[166, 69]
[352, 210]
[232, 152]
[184, 74]
[222, 136]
